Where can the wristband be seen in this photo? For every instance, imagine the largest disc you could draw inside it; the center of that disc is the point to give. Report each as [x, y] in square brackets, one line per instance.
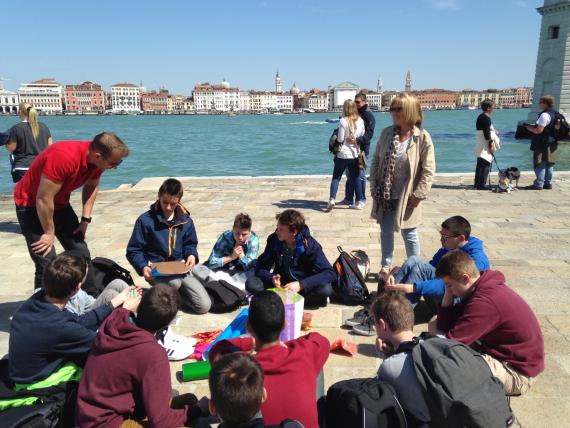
[86, 219]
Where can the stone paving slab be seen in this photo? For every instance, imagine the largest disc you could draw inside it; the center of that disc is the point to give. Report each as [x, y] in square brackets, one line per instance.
[526, 234]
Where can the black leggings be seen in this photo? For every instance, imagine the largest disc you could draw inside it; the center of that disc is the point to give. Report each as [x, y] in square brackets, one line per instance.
[481, 173]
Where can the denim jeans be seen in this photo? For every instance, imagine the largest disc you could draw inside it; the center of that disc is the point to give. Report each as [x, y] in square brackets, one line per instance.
[410, 236]
[349, 190]
[192, 293]
[339, 166]
[543, 171]
[415, 270]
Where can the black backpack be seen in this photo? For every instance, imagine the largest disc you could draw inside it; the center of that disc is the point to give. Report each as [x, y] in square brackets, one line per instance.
[225, 297]
[101, 272]
[334, 145]
[363, 403]
[350, 287]
[458, 386]
[559, 126]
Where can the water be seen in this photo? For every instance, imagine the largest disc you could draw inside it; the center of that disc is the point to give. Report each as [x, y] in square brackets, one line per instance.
[265, 144]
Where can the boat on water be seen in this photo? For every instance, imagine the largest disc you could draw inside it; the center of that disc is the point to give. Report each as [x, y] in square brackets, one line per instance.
[332, 120]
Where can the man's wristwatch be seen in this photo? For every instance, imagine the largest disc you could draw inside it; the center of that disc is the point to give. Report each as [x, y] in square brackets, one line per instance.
[86, 219]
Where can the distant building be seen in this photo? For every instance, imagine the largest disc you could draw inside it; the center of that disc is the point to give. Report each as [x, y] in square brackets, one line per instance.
[157, 101]
[374, 99]
[9, 102]
[263, 101]
[46, 95]
[86, 96]
[126, 98]
[284, 101]
[244, 101]
[340, 93]
[408, 87]
[216, 98]
[387, 97]
[523, 96]
[316, 100]
[278, 86]
[436, 99]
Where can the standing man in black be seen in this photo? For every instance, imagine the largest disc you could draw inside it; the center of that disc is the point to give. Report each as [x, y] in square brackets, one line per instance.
[487, 143]
[364, 144]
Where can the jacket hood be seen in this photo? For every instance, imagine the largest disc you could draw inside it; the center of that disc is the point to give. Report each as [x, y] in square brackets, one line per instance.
[490, 279]
[473, 243]
[119, 332]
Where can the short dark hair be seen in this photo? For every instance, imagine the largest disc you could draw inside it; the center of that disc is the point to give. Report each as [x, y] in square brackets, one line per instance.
[454, 264]
[292, 218]
[457, 225]
[267, 316]
[549, 100]
[62, 274]
[236, 387]
[108, 143]
[242, 221]
[395, 309]
[172, 187]
[486, 104]
[361, 95]
[158, 307]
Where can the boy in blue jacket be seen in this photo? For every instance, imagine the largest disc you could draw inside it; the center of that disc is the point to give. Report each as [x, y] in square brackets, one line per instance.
[294, 260]
[167, 233]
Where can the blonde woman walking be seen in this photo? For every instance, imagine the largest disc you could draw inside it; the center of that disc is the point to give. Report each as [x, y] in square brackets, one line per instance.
[351, 127]
[400, 178]
[27, 139]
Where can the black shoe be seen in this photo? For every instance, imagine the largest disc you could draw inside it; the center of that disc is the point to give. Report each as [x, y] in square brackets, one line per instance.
[366, 328]
[358, 318]
[547, 186]
[315, 301]
[532, 187]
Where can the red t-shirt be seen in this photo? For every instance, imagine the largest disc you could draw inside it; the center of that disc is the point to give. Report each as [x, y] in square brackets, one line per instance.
[63, 162]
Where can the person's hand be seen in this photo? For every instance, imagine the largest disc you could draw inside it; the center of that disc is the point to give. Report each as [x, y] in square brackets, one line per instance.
[190, 261]
[120, 298]
[182, 400]
[492, 149]
[44, 245]
[276, 280]
[147, 273]
[238, 252]
[294, 286]
[406, 288]
[132, 303]
[351, 141]
[413, 202]
[82, 229]
[384, 347]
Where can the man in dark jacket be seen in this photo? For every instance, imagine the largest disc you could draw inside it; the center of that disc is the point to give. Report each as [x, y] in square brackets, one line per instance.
[167, 233]
[492, 318]
[364, 144]
[294, 260]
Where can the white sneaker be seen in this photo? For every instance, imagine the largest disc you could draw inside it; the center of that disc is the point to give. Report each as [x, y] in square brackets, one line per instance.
[177, 347]
[330, 206]
[357, 206]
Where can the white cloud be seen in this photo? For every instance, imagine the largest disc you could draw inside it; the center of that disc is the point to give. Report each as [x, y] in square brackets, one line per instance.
[445, 4]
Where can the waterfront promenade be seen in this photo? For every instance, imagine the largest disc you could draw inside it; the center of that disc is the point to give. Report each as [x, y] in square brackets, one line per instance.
[526, 235]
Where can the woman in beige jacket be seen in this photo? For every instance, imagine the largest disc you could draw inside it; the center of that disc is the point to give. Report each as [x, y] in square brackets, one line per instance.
[400, 177]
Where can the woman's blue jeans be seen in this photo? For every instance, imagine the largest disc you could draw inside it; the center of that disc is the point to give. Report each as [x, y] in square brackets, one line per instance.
[353, 170]
[387, 228]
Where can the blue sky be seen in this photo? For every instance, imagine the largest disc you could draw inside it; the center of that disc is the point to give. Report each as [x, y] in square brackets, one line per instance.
[452, 44]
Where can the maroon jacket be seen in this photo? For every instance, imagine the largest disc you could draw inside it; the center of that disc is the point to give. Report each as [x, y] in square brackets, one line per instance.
[127, 375]
[290, 373]
[498, 322]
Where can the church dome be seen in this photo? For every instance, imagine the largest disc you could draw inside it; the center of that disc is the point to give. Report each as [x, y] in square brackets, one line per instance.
[225, 83]
[295, 90]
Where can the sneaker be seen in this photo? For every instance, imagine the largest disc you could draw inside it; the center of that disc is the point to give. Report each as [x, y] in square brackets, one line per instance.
[177, 347]
[345, 202]
[532, 187]
[358, 318]
[357, 206]
[366, 328]
[547, 186]
[330, 206]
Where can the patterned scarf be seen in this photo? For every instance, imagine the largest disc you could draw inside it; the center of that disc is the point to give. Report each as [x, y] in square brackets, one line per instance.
[383, 191]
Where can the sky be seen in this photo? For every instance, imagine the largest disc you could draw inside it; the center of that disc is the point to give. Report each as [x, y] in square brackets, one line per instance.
[175, 44]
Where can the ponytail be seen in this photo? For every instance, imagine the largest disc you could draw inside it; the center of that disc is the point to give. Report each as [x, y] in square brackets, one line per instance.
[32, 115]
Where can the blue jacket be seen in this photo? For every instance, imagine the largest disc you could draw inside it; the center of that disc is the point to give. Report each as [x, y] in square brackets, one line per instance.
[474, 248]
[154, 239]
[309, 265]
[369, 124]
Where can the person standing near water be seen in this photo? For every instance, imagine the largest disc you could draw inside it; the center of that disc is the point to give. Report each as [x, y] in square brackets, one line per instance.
[487, 144]
[27, 139]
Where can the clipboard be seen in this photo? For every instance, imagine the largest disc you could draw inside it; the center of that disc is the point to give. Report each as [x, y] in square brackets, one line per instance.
[169, 268]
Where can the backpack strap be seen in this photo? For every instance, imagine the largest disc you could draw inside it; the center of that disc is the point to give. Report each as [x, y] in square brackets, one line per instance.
[407, 346]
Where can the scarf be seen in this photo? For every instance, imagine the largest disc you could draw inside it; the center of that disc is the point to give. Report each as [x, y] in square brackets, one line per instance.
[382, 193]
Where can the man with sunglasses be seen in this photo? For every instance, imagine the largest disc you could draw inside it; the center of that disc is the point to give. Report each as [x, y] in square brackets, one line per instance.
[417, 278]
[42, 196]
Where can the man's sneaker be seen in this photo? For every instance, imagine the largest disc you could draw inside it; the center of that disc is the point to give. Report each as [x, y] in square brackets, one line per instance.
[357, 206]
[345, 202]
[330, 206]
[177, 347]
[358, 318]
[366, 328]
[547, 186]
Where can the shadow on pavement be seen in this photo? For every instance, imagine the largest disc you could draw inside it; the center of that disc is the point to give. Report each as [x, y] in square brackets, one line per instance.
[10, 227]
[301, 204]
[7, 309]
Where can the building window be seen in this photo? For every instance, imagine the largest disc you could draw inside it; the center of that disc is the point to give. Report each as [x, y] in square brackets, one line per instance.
[553, 31]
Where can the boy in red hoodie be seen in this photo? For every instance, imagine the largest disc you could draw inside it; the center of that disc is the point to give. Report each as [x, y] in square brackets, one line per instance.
[492, 318]
[290, 369]
[127, 374]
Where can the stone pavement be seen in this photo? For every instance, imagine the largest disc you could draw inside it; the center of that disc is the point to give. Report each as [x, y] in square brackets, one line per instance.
[526, 235]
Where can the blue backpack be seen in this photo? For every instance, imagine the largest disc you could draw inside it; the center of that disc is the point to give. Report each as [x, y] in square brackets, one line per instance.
[350, 287]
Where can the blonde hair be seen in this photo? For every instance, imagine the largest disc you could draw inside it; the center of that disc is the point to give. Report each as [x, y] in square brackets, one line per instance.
[31, 114]
[350, 113]
[411, 109]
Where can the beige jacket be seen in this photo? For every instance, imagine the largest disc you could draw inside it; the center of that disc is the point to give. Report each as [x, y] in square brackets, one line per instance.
[421, 161]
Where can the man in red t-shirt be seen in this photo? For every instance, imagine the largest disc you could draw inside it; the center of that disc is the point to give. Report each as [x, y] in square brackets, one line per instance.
[42, 196]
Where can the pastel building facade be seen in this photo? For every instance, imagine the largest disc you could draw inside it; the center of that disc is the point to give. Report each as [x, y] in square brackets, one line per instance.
[9, 102]
[125, 98]
[86, 96]
[46, 95]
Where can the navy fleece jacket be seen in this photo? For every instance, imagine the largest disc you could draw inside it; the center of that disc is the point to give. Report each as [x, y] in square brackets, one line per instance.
[309, 266]
[155, 239]
[436, 287]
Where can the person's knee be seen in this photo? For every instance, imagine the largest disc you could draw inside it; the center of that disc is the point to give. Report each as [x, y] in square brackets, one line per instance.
[202, 306]
[324, 290]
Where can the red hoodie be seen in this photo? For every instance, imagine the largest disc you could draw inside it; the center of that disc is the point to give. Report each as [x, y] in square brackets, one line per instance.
[500, 320]
[127, 375]
[290, 373]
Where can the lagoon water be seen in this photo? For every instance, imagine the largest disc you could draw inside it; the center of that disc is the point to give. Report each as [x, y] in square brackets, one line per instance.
[254, 145]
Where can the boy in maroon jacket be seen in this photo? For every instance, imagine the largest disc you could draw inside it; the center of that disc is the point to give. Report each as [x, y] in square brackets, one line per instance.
[290, 369]
[492, 318]
[127, 375]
